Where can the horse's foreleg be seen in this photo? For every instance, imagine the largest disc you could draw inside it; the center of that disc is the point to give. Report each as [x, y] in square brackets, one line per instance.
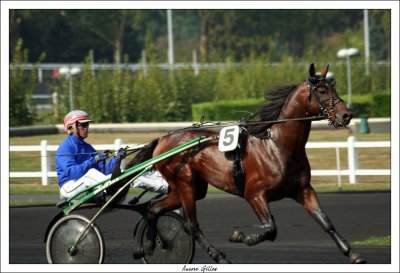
[261, 209]
[310, 202]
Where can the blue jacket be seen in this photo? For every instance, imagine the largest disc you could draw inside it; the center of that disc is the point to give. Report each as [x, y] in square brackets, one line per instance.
[75, 157]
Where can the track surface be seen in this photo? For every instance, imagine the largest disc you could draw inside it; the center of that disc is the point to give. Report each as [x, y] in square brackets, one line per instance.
[300, 240]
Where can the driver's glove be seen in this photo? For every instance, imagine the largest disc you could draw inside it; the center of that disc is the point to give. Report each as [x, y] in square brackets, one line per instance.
[121, 154]
[102, 156]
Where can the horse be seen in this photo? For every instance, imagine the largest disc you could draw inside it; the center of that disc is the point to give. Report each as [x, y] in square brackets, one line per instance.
[274, 161]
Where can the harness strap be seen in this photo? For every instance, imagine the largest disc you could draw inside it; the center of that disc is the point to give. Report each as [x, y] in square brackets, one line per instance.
[239, 174]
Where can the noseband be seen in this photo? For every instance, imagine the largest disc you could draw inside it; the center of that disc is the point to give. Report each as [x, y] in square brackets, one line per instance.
[323, 109]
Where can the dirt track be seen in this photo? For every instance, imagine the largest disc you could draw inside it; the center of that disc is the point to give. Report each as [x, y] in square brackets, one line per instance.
[300, 240]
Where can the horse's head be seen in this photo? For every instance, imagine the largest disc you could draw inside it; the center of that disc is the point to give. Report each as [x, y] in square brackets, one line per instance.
[323, 98]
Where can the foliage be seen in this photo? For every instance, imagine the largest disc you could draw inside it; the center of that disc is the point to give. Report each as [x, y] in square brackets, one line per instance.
[67, 35]
[225, 110]
[120, 95]
[377, 105]
[20, 111]
[374, 241]
[371, 105]
[381, 105]
[259, 50]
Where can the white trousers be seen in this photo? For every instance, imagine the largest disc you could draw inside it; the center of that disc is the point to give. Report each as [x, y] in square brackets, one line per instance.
[152, 181]
[92, 177]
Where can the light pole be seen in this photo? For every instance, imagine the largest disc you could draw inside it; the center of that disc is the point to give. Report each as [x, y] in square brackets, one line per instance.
[170, 39]
[366, 41]
[69, 72]
[348, 53]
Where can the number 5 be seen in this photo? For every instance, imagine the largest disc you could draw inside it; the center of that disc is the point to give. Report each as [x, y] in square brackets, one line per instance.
[229, 135]
[228, 138]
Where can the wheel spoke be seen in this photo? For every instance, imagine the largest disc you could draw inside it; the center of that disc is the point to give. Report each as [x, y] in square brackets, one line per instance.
[61, 247]
[173, 244]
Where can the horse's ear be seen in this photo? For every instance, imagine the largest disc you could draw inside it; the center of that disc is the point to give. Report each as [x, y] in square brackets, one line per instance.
[325, 72]
[312, 70]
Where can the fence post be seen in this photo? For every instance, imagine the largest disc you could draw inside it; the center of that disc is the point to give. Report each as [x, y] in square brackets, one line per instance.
[339, 177]
[144, 63]
[45, 160]
[353, 159]
[40, 75]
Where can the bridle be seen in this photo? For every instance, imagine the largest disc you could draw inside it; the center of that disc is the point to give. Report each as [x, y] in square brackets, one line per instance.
[323, 109]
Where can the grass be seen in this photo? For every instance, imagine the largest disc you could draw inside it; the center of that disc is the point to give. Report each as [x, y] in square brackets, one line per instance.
[31, 202]
[37, 188]
[378, 158]
[374, 241]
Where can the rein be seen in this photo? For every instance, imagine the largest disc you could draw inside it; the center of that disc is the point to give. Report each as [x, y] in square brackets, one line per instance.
[129, 152]
[320, 117]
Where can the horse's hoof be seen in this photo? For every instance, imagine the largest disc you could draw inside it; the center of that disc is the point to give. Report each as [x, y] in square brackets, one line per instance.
[148, 248]
[138, 253]
[221, 258]
[237, 237]
[224, 261]
[356, 258]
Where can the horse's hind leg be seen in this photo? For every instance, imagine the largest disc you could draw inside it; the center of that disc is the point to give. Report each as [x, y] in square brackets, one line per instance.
[188, 199]
[308, 198]
[260, 207]
[170, 202]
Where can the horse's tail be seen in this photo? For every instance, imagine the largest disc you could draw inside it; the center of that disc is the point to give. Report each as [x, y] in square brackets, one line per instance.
[144, 154]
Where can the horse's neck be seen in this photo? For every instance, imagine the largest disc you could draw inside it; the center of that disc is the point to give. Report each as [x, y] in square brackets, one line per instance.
[292, 135]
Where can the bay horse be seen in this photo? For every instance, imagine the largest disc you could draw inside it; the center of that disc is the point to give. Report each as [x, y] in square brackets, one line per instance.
[274, 161]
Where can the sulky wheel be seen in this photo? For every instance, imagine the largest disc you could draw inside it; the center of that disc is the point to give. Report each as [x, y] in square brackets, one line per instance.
[62, 236]
[173, 244]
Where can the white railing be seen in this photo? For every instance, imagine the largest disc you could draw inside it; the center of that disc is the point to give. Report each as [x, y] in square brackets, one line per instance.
[351, 145]
[352, 155]
[44, 148]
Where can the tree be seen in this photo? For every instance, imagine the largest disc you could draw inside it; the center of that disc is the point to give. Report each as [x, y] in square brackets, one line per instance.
[107, 25]
[380, 34]
[20, 110]
[15, 20]
[68, 35]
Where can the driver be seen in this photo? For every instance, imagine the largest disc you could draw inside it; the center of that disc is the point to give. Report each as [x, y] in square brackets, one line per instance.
[79, 166]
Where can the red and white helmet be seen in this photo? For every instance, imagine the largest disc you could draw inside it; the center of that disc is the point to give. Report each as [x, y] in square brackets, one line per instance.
[73, 117]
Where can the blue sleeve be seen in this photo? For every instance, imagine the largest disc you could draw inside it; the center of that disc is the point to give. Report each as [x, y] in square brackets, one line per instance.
[68, 168]
[108, 166]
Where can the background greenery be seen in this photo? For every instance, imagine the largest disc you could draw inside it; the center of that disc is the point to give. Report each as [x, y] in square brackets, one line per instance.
[257, 48]
[67, 35]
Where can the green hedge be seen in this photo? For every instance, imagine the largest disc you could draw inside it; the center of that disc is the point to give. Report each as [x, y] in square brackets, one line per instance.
[381, 105]
[372, 105]
[376, 105]
[225, 110]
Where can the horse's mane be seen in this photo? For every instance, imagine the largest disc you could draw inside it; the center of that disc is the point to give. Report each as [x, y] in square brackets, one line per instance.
[269, 111]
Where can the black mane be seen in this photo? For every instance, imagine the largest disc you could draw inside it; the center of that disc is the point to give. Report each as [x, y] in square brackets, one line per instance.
[269, 111]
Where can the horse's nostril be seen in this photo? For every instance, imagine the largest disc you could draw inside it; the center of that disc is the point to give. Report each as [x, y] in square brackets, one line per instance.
[347, 117]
